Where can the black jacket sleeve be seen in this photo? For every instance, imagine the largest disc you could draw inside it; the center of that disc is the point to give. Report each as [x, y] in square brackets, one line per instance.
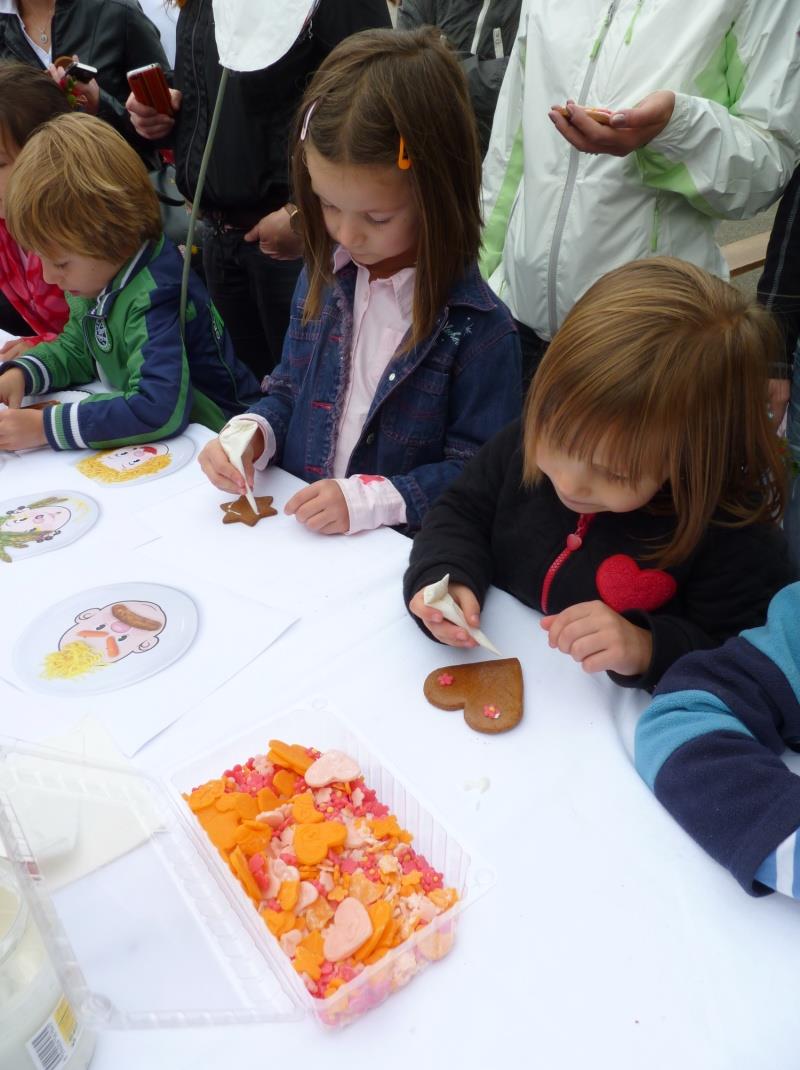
[734, 576]
[456, 533]
[779, 286]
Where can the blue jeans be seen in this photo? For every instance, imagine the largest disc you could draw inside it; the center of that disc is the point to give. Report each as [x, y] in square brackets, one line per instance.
[791, 520]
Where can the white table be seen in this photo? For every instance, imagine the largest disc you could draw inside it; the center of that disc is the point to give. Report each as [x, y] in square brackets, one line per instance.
[609, 940]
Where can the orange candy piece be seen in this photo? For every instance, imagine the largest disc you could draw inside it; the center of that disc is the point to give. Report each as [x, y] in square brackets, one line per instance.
[221, 828]
[304, 811]
[239, 865]
[292, 755]
[285, 781]
[288, 893]
[267, 800]
[278, 921]
[380, 914]
[245, 805]
[385, 826]
[251, 840]
[312, 842]
[205, 795]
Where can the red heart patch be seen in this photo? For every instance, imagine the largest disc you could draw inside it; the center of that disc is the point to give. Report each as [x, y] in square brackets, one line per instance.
[623, 585]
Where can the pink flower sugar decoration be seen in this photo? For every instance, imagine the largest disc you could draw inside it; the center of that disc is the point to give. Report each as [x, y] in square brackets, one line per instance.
[444, 679]
[492, 712]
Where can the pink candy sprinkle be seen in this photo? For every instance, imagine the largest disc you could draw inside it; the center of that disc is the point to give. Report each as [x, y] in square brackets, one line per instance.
[444, 679]
[492, 712]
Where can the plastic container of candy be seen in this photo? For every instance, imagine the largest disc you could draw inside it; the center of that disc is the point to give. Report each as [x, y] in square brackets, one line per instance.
[118, 873]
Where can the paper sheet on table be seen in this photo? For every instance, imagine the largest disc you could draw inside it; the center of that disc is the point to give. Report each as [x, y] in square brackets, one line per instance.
[232, 631]
[253, 34]
[71, 836]
[437, 596]
[235, 438]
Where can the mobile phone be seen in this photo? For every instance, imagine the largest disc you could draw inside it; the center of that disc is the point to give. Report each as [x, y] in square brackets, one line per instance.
[600, 115]
[149, 85]
[81, 72]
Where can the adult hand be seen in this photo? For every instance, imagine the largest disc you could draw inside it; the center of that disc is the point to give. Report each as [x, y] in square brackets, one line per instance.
[21, 429]
[321, 506]
[15, 347]
[275, 236]
[442, 629]
[217, 466]
[149, 123]
[777, 399]
[12, 388]
[600, 639]
[86, 93]
[628, 129]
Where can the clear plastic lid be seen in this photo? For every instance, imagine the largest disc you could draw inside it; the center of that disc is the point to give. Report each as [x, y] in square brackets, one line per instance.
[140, 931]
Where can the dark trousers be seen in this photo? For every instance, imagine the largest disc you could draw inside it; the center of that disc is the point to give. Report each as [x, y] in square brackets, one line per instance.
[253, 294]
[533, 349]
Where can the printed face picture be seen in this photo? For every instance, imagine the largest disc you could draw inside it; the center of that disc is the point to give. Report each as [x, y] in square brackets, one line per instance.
[136, 464]
[41, 522]
[106, 638]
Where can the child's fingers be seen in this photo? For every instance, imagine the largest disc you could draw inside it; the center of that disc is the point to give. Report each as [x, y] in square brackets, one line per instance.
[451, 634]
[558, 622]
[297, 500]
[426, 614]
[470, 606]
[219, 470]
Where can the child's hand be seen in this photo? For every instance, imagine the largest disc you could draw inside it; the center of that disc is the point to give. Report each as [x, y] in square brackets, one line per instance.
[12, 388]
[321, 506]
[442, 629]
[21, 429]
[15, 347]
[600, 639]
[216, 465]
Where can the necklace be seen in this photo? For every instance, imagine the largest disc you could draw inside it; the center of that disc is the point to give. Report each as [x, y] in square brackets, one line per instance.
[44, 36]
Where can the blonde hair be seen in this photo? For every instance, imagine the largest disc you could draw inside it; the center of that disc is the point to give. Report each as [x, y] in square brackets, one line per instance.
[94, 468]
[665, 368]
[78, 186]
[375, 88]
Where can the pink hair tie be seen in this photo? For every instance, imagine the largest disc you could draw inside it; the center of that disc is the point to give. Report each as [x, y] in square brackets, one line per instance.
[307, 118]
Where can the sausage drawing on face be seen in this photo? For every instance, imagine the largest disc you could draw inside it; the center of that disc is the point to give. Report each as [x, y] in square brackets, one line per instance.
[134, 620]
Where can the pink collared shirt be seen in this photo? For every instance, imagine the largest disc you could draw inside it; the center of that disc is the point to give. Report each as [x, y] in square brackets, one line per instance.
[382, 312]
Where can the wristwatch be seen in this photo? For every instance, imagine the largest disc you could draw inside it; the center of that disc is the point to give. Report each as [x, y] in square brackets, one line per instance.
[295, 219]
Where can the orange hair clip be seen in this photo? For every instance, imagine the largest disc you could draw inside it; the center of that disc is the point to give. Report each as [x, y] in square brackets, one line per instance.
[403, 159]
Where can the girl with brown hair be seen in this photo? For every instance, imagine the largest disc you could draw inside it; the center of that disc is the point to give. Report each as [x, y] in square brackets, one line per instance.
[637, 504]
[399, 362]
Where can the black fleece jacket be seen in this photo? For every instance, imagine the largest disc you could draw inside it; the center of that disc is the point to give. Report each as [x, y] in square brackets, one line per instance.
[489, 529]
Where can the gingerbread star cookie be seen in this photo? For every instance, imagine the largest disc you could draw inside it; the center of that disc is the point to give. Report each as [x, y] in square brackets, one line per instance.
[241, 512]
[489, 692]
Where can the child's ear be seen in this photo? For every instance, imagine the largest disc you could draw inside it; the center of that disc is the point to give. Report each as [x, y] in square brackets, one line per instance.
[86, 615]
[147, 644]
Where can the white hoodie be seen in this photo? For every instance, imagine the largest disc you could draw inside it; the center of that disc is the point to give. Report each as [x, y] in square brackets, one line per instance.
[556, 218]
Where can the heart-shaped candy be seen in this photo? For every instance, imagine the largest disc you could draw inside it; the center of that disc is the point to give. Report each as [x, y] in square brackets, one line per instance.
[489, 692]
[351, 927]
[623, 585]
[331, 767]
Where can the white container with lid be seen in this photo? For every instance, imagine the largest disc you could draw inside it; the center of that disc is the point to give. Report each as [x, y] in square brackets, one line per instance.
[38, 1027]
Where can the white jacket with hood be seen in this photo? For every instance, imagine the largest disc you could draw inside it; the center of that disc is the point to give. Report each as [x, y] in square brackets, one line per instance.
[556, 218]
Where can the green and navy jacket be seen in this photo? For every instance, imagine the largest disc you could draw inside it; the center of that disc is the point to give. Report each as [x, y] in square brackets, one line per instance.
[710, 746]
[129, 337]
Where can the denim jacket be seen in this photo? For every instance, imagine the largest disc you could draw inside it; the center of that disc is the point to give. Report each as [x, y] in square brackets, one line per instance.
[435, 406]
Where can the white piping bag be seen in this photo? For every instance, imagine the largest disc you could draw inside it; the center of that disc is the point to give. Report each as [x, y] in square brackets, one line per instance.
[437, 596]
[235, 438]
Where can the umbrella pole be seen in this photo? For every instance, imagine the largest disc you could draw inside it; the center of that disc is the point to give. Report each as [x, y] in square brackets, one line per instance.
[201, 178]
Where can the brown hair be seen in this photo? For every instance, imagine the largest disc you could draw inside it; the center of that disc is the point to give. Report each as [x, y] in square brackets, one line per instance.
[28, 98]
[666, 368]
[77, 185]
[374, 88]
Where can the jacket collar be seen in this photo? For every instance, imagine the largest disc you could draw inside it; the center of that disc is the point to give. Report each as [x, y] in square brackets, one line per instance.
[105, 299]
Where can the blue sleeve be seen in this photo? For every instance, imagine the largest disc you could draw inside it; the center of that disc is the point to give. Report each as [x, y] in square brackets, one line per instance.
[156, 399]
[485, 396]
[709, 743]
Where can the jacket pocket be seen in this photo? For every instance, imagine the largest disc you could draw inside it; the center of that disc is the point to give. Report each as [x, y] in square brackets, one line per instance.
[416, 413]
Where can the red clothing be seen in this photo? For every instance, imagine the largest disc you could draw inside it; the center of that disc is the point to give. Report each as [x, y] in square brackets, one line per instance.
[41, 305]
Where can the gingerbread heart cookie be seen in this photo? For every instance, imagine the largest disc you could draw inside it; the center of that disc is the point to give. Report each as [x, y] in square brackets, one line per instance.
[241, 512]
[489, 692]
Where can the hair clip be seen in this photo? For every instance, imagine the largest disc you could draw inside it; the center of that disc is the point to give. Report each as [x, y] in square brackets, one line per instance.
[403, 159]
[307, 118]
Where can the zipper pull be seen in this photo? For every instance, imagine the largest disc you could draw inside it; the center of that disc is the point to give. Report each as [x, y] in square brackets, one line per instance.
[574, 541]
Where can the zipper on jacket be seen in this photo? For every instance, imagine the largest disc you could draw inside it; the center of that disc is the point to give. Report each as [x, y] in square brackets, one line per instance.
[572, 171]
[574, 542]
[479, 26]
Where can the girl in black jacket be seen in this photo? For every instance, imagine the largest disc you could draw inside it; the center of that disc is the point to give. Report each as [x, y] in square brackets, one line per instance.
[636, 506]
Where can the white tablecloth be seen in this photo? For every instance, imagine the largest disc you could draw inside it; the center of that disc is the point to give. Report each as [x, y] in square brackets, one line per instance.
[609, 938]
